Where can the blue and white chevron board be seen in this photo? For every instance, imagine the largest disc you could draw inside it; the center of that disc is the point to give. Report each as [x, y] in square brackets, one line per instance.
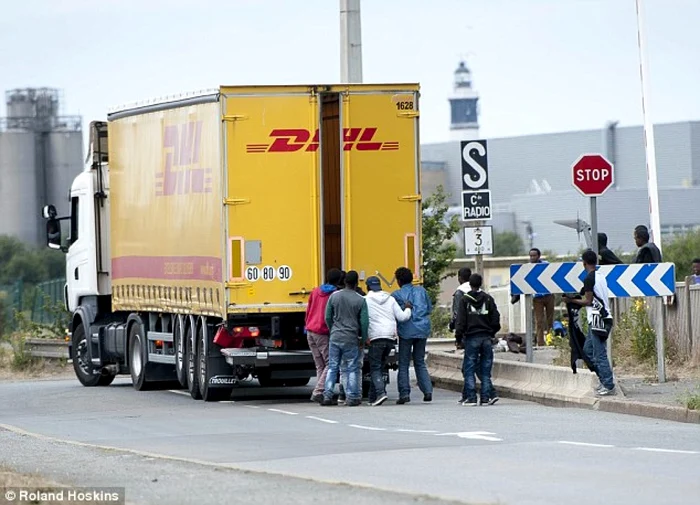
[647, 279]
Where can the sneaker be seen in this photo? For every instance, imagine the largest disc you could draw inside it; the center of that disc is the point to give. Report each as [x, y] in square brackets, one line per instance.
[403, 400]
[493, 400]
[428, 397]
[379, 401]
[462, 400]
[341, 400]
[328, 402]
[603, 391]
[470, 403]
[353, 403]
[317, 398]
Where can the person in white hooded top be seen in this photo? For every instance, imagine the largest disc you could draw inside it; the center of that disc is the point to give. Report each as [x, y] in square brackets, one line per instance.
[383, 311]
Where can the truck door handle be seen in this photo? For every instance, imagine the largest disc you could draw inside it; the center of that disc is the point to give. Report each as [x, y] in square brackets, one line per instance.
[76, 273]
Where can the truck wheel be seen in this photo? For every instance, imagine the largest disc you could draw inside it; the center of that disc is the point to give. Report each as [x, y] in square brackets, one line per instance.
[209, 394]
[84, 369]
[180, 344]
[191, 361]
[138, 356]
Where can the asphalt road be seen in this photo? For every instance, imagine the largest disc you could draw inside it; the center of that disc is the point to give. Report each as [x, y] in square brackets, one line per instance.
[270, 445]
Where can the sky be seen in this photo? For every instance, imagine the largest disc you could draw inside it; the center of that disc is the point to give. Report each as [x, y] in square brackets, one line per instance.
[539, 65]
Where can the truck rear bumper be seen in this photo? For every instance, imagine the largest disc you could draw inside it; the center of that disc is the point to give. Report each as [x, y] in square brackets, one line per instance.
[263, 358]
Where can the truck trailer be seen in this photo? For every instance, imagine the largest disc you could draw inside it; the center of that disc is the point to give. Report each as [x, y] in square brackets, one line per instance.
[200, 225]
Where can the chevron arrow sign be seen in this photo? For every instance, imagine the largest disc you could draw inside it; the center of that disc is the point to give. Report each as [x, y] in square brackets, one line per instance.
[648, 279]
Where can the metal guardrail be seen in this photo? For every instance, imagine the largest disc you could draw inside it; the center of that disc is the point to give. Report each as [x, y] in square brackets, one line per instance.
[55, 348]
[46, 348]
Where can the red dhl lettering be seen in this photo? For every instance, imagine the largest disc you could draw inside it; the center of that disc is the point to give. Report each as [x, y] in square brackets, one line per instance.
[287, 140]
[183, 173]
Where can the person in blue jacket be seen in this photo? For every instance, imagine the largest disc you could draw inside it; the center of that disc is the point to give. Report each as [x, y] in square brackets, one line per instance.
[413, 335]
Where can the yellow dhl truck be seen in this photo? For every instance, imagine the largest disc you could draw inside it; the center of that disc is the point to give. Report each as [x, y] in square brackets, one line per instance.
[223, 210]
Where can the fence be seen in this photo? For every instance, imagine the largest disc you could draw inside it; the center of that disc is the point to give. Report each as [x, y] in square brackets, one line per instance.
[682, 319]
[40, 303]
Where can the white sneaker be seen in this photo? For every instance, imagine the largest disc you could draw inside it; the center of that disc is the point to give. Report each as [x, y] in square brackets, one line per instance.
[379, 401]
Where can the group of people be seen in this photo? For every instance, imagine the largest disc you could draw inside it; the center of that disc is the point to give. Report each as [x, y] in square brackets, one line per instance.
[341, 321]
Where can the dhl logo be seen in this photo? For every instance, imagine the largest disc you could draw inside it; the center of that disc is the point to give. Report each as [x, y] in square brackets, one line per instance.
[287, 140]
[181, 151]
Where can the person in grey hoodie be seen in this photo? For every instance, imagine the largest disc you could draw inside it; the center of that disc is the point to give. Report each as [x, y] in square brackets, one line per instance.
[348, 321]
[383, 311]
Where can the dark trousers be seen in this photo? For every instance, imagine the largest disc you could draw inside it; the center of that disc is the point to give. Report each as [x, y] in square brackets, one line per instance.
[379, 350]
[478, 351]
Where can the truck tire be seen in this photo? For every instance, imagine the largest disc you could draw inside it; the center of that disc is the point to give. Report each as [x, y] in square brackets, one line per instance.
[180, 345]
[84, 370]
[138, 356]
[208, 393]
[191, 361]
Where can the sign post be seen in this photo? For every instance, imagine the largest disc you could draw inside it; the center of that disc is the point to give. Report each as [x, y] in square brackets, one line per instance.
[593, 175]
[476, 200]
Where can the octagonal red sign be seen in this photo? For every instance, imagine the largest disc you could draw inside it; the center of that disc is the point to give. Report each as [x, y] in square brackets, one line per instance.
[592, 174]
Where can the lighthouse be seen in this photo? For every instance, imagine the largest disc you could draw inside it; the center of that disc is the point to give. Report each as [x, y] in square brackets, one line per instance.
[464, 106]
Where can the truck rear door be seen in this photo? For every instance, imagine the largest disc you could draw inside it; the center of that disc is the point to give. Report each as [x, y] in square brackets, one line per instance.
[272, 198]
[380, 182]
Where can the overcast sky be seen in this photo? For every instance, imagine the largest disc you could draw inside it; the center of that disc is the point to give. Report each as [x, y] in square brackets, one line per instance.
[540, 65]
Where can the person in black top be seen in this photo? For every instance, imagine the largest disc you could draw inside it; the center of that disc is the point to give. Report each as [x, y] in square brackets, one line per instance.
[605, 255]
[648, 252]
[477, 323]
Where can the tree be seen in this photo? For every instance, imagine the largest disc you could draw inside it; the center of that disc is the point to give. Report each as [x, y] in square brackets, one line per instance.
[681, 250]
[438, 249]
[508, 243]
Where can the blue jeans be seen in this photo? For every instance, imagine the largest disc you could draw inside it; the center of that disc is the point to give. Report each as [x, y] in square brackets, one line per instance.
[478, 352]
[595, 349]
[477, 369]
[413, 348]
[343, 358]
[379, 350]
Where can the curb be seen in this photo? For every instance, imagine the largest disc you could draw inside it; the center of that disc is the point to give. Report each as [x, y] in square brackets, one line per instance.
[552, 386]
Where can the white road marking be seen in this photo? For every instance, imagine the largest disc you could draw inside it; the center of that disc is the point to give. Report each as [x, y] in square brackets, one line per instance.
[185, 393]
[674, 451]
[402, 430]
[329, 421]
[284, 412]
[251, 406]
[585, 444]
[473, 435]
[370, 428]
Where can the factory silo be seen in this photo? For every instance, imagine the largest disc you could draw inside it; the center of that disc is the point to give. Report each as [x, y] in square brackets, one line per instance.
[64, 152]
[41, 152]
[19, 204]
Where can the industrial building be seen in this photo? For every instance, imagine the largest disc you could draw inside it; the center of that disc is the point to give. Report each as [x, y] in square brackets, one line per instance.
[41, 152]
[530, 180]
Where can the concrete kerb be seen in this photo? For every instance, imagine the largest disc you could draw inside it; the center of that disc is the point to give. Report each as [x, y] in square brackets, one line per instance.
[549, 385]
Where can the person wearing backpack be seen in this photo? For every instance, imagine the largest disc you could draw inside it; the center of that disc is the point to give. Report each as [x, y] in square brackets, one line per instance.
[413, 335]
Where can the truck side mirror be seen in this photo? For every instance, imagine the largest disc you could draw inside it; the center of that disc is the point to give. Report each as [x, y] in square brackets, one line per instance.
[53, 234]
[49, 212]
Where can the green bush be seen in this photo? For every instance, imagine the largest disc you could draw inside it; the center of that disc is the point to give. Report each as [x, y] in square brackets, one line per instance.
[681, 250]
[440, 320]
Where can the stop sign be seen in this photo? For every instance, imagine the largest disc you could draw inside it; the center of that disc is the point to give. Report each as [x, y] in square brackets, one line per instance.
[592, 174]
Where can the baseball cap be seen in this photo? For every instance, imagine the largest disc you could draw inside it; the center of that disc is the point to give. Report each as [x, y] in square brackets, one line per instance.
[373, 283]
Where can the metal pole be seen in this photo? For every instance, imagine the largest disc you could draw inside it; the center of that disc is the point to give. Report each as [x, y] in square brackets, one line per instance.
[652, 182]
[479, 258]
[350, 42]
[529, 333]
[660, 329]
[594, 224]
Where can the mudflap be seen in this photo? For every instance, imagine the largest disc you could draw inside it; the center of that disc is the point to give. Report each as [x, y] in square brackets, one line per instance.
[220, 373]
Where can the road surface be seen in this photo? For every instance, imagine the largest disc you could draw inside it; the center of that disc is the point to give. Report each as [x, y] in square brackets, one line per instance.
[274, 444]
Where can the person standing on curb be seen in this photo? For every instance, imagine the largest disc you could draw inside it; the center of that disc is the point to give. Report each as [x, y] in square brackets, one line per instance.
[413, 335]
[648, 252]
[383, 312]
[595, 298]
[347, 319]
[607, 257]
[543, 305]
[478, 321]
[317, 332]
